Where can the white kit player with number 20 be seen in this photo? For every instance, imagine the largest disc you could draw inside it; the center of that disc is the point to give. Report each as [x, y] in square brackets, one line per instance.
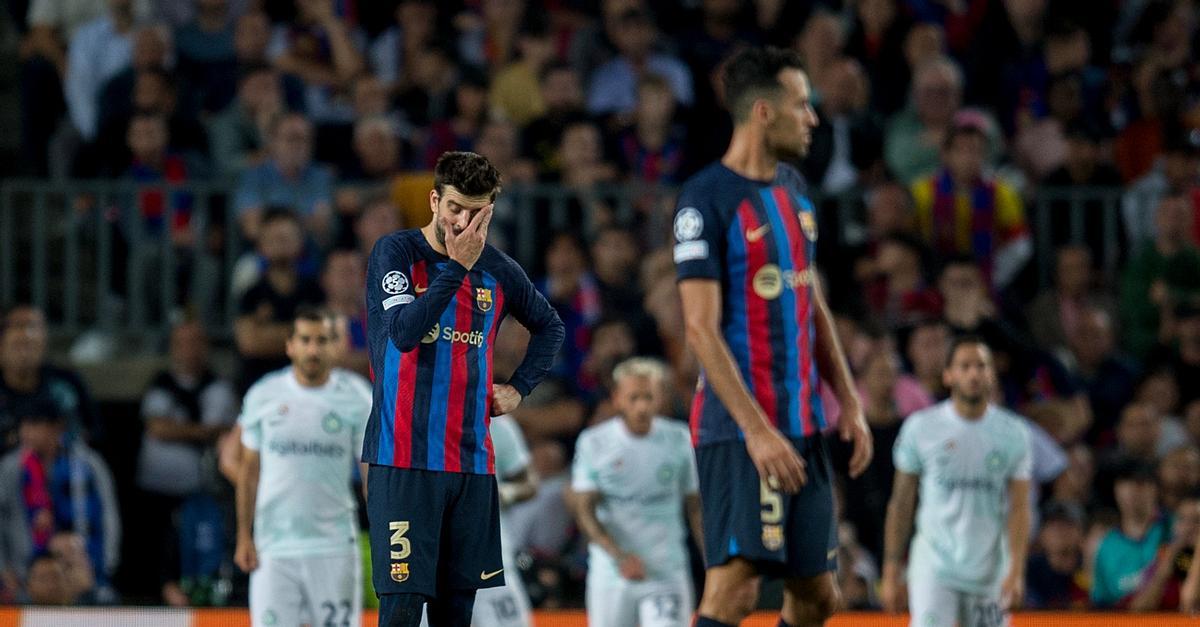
[633, 478]
[971, 463]
[302, 430]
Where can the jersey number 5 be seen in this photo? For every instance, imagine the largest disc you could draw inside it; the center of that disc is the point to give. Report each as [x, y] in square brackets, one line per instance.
[772, 504]
[398, 529]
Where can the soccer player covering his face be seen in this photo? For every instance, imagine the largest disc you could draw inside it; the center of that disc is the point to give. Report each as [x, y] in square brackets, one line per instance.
[745, 241]
[633, 481]
[971, 463]
[435, 299]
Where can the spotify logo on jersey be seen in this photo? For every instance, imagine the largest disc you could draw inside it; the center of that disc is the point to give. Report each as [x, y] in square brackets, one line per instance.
[454, 336]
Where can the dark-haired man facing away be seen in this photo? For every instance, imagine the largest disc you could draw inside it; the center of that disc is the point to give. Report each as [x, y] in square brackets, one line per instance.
[745, 238]
[435, 298]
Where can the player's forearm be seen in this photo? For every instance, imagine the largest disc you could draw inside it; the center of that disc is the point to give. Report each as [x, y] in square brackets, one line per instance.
[585, 514]
[539, 356]
[1019, 520]
[721, 372]
[247, 496]
[696, 520]
[413, 321]
[897, 529]
[829, 355]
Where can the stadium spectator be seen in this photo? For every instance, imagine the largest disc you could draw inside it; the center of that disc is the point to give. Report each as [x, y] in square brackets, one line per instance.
[612, 341]
[204, 47]
[572, 291]
[1128, 550]
[1108, 375]
[266, 309]
[1159, 391]
[466, 116]
[1075, 485]
[1163, 274]
[1055, 578]
[1161, 583]
[1183, 359]
[888, 212]
[961, 209]
[53, 483]
[583, 168]
[1177, 168]
[514, 90]
[238, 134]
[614, 254]
[1086, 165]
[612, 89]
[376, 152]
[928, 343]
[820, 42]
[1179, 475]
[321, 48]
[394, 49]
[846, 146]
[185, 409]
[901, 294]
[288, 179]
[251, 38]
[343, 281]
[28, 380]
[427, 94]
[1055, 314]
[561, 91]
[914, 136]
[1138, 436]
[378, 218]
[651, 149]
[877, 37]
[98, 51]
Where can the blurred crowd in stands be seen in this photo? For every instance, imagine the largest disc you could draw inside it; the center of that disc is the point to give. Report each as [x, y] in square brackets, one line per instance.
[949, 132]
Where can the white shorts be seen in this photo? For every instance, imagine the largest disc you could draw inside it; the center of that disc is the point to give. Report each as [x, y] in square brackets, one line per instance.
[931, 604]
[651, 603]
[290, 591]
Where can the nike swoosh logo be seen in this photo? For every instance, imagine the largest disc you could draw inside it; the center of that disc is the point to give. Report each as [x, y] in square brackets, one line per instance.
[485, 576]
[421, 289]
[753, 235]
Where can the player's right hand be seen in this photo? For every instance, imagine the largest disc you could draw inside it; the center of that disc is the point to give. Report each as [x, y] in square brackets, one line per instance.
[632, 567]
[466, 247]
[776, 459]
[892, 593]
[245, 555]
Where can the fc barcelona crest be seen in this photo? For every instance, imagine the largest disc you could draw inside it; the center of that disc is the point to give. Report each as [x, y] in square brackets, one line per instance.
[483, 299]
[809, 224]
[399, 572]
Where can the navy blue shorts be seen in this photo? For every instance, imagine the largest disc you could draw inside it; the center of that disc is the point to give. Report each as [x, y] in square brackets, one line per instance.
[784, 536]
[433, 532]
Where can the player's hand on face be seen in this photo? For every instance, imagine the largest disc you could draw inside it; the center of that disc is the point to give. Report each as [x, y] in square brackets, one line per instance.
[466, 247]
[505, 398]
[853, 428]
[245, 555]
[777, 462]
[632, 567]
[1012, 591]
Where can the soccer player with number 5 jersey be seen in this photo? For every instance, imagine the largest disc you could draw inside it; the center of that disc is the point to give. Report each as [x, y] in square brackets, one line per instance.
[745, 241]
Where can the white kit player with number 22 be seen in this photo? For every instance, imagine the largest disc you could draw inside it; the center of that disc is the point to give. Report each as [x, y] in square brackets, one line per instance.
[633, 477]
[971, 463]
[302, 428]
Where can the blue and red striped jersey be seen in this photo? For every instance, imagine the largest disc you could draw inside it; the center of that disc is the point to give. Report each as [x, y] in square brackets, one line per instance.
[431, 325]
[758, 239]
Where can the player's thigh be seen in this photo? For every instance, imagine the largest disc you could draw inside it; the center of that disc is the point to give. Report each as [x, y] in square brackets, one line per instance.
[276, 593]
[983, 610]
[809, 527]
[334, 590]
[471, 546]
[738, 522]
[610, 601]
[502, 607]
[406, 509]
[665, 603]
[931, 604]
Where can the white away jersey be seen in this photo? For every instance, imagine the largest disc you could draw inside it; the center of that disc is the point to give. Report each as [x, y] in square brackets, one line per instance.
[642, 482]
[308, 440]
[965, 466]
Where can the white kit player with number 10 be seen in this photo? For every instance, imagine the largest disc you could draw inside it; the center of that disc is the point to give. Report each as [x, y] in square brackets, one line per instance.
[633, 477]
[302, 430]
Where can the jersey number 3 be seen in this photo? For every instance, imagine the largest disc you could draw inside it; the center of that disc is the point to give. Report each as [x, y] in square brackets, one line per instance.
[398, 541]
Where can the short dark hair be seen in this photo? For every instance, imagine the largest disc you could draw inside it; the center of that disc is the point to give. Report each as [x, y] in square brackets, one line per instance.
[966, 339]
[754, 73]
[310, 313]
[964, 129]
[276, 213]
[469, 173]
[555, 66]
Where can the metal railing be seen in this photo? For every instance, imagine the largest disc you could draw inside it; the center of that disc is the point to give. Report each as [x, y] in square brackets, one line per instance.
[75, 249]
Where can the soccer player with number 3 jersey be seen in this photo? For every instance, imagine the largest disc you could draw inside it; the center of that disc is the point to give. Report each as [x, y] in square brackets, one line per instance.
[435, 299]
[745, 241]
